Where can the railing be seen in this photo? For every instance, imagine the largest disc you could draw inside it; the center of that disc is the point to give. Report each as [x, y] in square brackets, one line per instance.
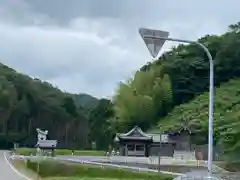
[102, 165]
[168, 165]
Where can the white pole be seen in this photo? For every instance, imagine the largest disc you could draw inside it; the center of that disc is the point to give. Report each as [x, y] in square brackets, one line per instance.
[211, 95]
[211, 108]
[210, 120]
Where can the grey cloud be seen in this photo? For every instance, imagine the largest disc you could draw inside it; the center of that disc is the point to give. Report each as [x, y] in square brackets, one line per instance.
[67, 10]
[135, 11]
[20, 12]
[91, 45]
[52, 54]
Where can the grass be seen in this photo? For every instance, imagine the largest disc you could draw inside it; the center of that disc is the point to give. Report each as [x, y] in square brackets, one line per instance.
[52, 170]
[79, 178]
[21, 166]
[29, 151]
[230, 166]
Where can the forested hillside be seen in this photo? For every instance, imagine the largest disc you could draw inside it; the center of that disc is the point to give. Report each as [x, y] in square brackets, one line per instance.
[159, 93]
[195, 116]
[27, 104]
[167, 93]
[86, 101]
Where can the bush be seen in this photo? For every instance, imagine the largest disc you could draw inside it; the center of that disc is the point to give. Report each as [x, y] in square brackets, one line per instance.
[54, 168]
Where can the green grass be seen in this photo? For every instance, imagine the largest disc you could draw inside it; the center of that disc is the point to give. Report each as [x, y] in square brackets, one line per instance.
[230, 166]
[29, 151]
[21, 166]
[54, 169]
[80, 178]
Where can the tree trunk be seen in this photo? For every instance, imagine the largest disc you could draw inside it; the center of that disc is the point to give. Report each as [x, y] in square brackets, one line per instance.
[29, 125]
[66, 134]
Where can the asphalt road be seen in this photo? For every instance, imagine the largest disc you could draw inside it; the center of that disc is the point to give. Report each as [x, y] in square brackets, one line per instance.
[7, 170]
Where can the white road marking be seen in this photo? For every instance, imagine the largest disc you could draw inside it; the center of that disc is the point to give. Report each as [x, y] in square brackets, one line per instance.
[14, 169]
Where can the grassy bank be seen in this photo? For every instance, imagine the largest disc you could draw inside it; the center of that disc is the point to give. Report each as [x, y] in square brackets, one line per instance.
[29, 151]
[21, 166]
[230, 166]
[79, 178]
[52, 170]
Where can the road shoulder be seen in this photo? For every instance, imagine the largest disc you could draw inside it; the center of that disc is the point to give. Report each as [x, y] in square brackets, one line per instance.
[18, 167]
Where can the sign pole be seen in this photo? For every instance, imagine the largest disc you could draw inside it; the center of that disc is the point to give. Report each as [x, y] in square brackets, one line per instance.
[38, 168]
[154, 40]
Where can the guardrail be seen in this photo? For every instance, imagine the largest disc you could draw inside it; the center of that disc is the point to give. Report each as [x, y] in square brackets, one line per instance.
[102, 165]
[153, 160]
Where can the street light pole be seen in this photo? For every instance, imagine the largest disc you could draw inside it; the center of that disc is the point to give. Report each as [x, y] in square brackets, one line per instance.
[211, 93]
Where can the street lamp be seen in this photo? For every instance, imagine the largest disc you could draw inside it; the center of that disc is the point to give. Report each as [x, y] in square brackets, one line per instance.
[154, 39]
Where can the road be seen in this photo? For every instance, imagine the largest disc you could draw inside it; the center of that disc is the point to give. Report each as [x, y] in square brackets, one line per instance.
[8, 172]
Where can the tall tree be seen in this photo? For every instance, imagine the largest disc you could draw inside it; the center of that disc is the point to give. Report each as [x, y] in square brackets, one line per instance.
[143, 99]
[100, 123]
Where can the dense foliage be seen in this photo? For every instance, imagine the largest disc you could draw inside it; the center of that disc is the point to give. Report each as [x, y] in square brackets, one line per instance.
[188, 66]
[179, 76]
[101, 128]
[143, 99]
[86, 101]
[195, 115]
[27, 104]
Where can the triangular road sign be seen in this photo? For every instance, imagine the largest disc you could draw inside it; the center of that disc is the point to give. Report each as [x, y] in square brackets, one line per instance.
[152, 39]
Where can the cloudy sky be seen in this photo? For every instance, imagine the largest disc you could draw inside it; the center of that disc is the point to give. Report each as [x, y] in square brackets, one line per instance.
[88, 46]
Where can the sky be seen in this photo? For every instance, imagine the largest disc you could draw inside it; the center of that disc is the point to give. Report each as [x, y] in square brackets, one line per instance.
[89, 46]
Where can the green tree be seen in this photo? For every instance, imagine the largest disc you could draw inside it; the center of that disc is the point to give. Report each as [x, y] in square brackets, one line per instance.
[100, 124]
[143, 99]
[27, 104]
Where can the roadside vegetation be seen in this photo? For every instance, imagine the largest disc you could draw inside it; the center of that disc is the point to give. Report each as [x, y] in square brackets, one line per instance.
[33, 151]
[21, 167]
[226, 117]
[53, 170]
